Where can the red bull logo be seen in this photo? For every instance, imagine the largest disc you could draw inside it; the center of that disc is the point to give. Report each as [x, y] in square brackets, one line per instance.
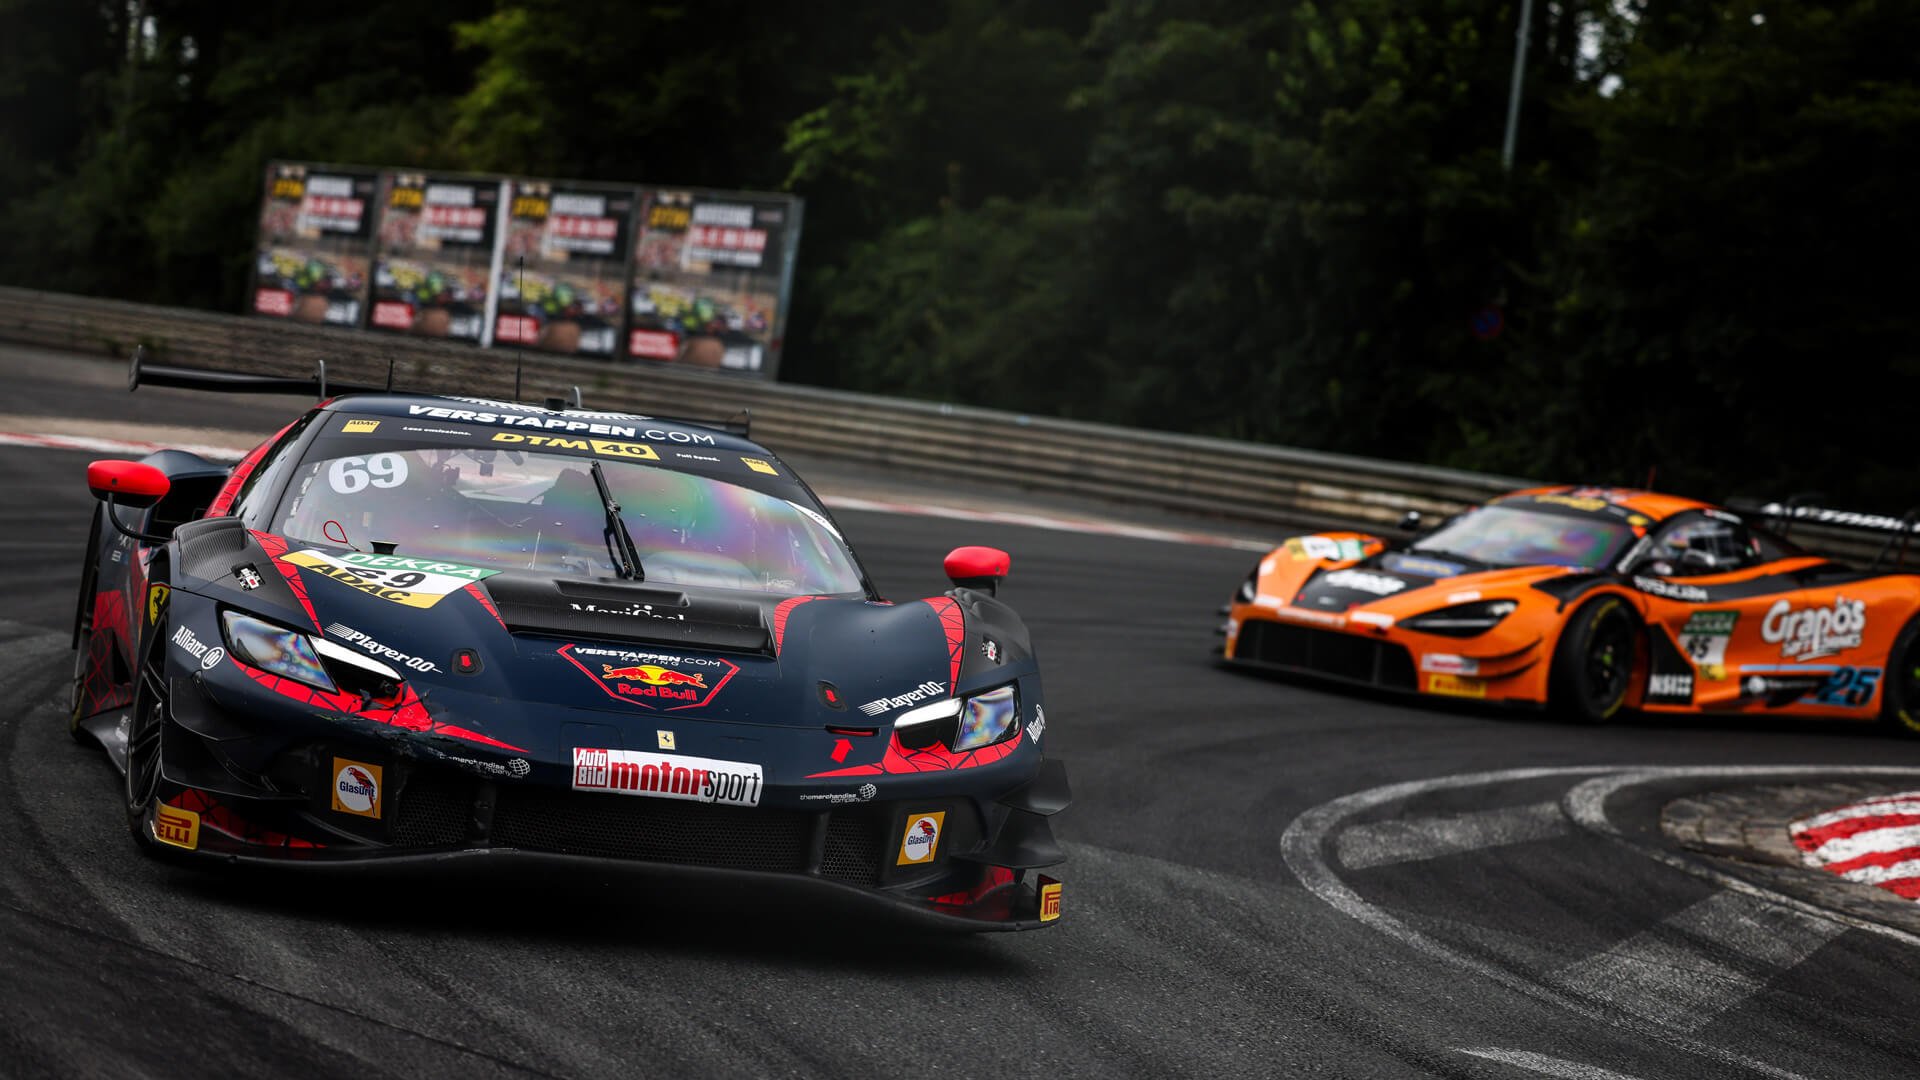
[653, 675]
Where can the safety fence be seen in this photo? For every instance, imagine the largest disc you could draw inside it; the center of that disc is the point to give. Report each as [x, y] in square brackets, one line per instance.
[1237, 481]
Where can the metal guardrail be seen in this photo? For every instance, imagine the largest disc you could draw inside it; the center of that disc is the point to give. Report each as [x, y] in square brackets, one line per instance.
[1238, 481]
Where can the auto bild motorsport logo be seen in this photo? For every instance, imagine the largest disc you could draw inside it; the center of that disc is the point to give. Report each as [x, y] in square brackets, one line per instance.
[1811, 633]
[667, 776]
[900, 701]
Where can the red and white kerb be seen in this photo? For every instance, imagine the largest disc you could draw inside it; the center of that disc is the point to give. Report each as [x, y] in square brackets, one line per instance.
[1874, 842]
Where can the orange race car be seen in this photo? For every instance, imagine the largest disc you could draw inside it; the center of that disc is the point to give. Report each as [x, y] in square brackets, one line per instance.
[1588, 600]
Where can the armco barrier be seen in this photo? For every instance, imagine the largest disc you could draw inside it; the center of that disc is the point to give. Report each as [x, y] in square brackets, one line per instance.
[1246, 482]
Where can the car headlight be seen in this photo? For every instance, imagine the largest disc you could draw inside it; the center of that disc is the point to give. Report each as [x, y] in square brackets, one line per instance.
[312, 661]
[967, 723]
[1462, 620]
[275, 649]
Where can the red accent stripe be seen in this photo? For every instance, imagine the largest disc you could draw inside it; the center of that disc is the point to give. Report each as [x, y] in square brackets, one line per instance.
[223, 502]
[1908, 887]
[780, 614]
[275, 547]
[486, 601]
[1873, 858]
[935, 758]
[954, 621]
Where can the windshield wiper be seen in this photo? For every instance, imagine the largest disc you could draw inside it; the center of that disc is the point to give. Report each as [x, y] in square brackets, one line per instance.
[619, 541]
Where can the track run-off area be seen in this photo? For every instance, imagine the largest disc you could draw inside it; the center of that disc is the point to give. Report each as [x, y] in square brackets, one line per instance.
[1267, 877]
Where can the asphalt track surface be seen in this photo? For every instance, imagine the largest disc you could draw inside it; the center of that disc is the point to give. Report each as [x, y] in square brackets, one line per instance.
[1267, 878]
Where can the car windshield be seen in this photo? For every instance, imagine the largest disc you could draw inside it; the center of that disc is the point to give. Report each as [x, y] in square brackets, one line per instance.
[1508, 536]
[529, 510]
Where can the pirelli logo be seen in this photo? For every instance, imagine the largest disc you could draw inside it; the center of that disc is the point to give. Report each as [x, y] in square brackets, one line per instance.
[1049, 900]
[176, 827]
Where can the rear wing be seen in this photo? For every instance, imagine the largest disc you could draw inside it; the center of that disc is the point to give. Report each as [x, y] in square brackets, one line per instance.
[143, 372]
[1782, 516]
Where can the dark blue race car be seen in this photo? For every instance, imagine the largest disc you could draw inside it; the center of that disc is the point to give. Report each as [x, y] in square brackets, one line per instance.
[442, 630]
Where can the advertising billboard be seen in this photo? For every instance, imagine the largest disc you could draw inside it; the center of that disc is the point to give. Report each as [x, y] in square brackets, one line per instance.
[313, 257]
[563, 268]
[433, 272]
[711, 276]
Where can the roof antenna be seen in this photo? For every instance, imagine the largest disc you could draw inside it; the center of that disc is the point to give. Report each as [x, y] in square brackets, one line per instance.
[521, 262]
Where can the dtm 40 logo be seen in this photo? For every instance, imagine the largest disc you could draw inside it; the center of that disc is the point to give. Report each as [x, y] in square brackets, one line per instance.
[1811, 633]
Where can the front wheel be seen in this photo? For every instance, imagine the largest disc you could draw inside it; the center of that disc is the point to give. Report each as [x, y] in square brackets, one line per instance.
[1593, 664]
[1900, 700]
[146, 717]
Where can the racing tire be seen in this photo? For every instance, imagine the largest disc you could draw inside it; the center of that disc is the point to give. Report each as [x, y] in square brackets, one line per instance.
[146, 718]
[83, 633]
[1593, 663]
[1900, 698]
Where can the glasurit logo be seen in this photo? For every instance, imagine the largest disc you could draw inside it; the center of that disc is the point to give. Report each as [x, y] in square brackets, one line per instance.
[667, 776]
[900, 701]
[1810, 633]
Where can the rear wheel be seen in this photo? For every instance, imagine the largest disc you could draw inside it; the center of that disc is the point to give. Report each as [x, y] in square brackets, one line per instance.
[1900, 700]
[148, 714]
[1593, 664]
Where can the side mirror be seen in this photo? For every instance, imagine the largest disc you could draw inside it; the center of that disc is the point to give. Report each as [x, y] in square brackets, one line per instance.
[1410, 521]
[978, 568]
[128, 483]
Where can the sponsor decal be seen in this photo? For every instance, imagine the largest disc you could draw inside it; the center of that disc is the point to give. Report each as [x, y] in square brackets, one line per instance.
[630, 609]
[1671, 686]
[818, 519]
[683, 455]
[1039, 726]
[1811, 633]
[356, 427]
[355, 637]
[1456, 686]
[176, 827]
[921, 841]
[461, 432]
[990, 649]
[1838, 517]
[417, 583]
[900, 701]
[1585, 503]
[249, 577]
[1364, 581]
[1449, 664]
[1847, 688]
[1692, 594]
[1049, 900]
[759, 466]
[570, 422]
[198, 649]
[156, 602]
[667, 776]
[1308, 615]
[665, 739]
[602, 447]
[356, 788]
[517, 768]
[864, 793]
[1307, 548]
[1425, 567]
[652, 680]
[1372, 618]
[1703, 640]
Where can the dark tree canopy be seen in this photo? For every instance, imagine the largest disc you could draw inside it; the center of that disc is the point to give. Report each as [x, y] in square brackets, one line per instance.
[1280, 222]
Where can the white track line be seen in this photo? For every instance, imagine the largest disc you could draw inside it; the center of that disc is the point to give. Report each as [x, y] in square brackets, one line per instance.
[1664, 975]
[1385, 843]
[836, 502]
[1544, 1065]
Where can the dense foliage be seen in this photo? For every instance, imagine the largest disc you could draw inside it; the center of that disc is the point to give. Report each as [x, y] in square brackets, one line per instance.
[1278, 221]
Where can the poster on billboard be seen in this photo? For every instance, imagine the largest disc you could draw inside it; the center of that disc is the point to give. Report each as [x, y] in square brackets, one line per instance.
[314, 253]
[563, 267]
[712, 272]
[433, 269]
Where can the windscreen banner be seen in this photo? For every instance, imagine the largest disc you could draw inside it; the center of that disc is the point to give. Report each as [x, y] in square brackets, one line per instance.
[433, 274]
[563, 271]
[712, 274]
[314, 254]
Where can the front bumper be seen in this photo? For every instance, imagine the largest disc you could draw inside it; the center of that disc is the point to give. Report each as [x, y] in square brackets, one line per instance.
[1363, 655]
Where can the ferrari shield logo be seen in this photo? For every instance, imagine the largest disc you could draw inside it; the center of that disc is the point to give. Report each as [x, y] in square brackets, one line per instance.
[156, 602]
[666, 739]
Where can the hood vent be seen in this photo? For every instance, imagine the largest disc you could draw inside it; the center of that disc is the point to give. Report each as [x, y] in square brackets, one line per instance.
[618, 611]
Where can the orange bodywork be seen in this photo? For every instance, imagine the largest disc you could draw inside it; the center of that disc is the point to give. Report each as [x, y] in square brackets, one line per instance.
[1788, 634]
